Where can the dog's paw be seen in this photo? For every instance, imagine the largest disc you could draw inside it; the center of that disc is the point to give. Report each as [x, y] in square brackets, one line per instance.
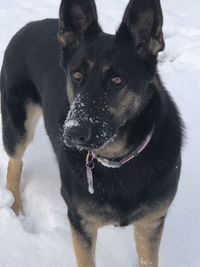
[6, 198]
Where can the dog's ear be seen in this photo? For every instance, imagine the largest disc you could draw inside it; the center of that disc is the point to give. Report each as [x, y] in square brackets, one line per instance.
[143, 21]
[75, 19]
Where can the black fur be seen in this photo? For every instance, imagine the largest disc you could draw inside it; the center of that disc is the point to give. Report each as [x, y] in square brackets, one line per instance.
[35, 69]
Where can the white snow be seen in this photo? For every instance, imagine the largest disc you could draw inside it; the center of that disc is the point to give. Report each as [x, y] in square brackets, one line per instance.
[71, 123]
[42, 237]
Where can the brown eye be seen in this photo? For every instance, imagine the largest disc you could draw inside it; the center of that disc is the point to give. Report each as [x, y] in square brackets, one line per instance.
[77, 75]
[117, 80]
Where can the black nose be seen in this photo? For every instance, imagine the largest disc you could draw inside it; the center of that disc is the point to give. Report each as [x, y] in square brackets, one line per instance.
[78, 135]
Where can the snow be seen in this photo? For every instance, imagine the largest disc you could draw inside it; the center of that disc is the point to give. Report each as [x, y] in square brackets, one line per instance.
[42, 236]
[71, 123]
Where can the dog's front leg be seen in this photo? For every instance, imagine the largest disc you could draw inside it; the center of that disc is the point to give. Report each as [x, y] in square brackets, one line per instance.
[13, 183]
[148, 236]
[84, 235]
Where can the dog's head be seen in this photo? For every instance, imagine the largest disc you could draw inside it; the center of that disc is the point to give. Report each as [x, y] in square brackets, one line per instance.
[108, 77]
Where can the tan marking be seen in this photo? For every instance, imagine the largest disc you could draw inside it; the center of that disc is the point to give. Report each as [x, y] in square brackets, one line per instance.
[99, 215]
[99, 221]
[125, 100]
[155, 46]
[148, 229]
[154, 214]
[70, 91]
[106, 68]
[32, 115]
[85, 256]
[66, 39]
[146, 250]
[148, 232]
[13, 182]
[15, 163]
[117, 148]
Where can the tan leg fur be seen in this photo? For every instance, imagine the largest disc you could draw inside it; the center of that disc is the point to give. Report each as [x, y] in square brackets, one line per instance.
[13, 182]
[85, 255]
[148, 232]
[14, 170]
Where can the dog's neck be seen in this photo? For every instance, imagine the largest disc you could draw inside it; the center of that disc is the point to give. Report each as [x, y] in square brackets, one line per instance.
[119, 163]
[113, 163]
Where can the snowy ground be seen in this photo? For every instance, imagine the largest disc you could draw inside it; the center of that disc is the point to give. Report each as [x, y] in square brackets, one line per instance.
[42, 237]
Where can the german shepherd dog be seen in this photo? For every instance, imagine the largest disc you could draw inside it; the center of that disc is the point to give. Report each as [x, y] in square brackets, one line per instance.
[116, 132]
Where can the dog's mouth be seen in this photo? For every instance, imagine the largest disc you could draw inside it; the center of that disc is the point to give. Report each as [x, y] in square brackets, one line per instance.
[105, 145]
[131, 153]
[97, 145]
[115, 148]
[112, 150]
[103, 141]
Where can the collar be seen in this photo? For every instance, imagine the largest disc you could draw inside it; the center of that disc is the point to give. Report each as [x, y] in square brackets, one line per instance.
[111, 163]
[117, 164]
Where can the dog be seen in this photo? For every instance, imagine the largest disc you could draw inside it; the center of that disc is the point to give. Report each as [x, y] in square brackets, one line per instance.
[116, 132]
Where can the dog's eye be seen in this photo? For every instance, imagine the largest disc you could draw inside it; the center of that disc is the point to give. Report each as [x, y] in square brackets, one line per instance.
[77, 75]
[117, 81]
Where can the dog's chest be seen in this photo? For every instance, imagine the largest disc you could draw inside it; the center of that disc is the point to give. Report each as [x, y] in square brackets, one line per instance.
[106, 214]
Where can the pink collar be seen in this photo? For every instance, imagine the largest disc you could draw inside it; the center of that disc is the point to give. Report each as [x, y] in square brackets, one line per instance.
[126, 159]
[113, 164]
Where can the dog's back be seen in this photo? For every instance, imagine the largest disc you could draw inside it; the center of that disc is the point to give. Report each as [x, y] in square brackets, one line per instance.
[31, 63]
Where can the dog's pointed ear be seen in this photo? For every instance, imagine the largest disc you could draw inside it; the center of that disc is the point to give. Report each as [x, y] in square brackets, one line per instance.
[143, 21]
[75, 18]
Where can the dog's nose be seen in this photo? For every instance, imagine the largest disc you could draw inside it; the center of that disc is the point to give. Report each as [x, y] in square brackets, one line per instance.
[78, 135]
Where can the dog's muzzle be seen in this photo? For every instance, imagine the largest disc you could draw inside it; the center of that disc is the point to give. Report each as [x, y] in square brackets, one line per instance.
[77, 135]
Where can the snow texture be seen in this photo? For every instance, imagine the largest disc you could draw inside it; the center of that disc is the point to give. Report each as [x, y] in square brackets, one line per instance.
[42, 236]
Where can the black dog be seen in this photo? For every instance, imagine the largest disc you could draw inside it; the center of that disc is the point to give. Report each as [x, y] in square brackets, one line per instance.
[116, 132]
